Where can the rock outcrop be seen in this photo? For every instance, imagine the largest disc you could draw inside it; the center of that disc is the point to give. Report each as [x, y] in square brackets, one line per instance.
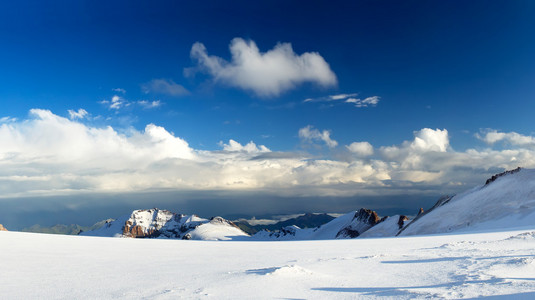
[2, 228]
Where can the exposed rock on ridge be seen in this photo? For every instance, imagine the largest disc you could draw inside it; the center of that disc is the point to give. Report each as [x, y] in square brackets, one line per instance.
[496, 176]
[363, 220]
[2, 228]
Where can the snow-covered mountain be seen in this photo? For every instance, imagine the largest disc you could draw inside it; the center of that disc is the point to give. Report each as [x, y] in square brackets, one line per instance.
[505, 201]
[158, 223]
[350, 225]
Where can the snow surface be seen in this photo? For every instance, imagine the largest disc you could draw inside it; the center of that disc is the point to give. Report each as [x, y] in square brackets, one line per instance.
[43, 266]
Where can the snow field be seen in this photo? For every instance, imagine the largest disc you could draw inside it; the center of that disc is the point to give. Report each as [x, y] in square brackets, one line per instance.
[40, 266]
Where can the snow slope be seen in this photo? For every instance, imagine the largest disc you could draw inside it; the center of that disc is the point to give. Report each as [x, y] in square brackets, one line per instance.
[507, 202]
[43, 266]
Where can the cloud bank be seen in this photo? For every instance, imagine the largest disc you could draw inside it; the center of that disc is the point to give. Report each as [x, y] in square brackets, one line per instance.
[267, 74]
[47, 154]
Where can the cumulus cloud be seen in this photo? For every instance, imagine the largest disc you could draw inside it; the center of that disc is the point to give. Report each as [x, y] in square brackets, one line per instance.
[312, 135]
[267, 74]
[250, 147]
[361, 149]
[493, 136]
[80, 114]
[47, 154]
[164, 87]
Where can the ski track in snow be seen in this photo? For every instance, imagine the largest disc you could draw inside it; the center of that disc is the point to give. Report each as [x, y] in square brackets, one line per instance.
[40, 266]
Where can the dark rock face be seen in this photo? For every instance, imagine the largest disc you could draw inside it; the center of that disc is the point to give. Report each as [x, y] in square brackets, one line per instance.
[348, 232]
[2, 228]
[496, 176]
[283, 232]
[363, 220]
[367, 216]
[402, 220]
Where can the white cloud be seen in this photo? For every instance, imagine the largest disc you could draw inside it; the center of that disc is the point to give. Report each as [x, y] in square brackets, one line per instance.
[80, 114]
[267, 74]
[370, 101]
[149, 104]
[7, 119]
[119, 90]
[46, 154]
[310, 134]
[425, 140]
[116, 102]
[347, 98]
[341, 96]
[250, 147]
[362, 149]
[164, 87]
[493, 136]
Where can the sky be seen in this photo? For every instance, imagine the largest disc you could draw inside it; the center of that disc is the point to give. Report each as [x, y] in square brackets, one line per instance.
[258, 107]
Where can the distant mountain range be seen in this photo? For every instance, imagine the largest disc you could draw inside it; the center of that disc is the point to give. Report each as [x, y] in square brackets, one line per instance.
[71, 229]
[506, 200]
[308, 220]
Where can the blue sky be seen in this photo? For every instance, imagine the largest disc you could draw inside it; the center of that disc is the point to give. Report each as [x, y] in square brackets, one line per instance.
[435, 95]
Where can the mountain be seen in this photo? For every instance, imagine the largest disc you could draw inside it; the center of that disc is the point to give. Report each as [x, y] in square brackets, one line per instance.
[308, 220]
[350, 225]
[2, 228]
[71, 229]
[158, 223]
[506, 200]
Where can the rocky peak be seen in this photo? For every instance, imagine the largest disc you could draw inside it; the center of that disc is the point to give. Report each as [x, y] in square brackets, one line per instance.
[363, 220]
[401, 220]
[2, 228]
[147, 222]
[367, 216]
